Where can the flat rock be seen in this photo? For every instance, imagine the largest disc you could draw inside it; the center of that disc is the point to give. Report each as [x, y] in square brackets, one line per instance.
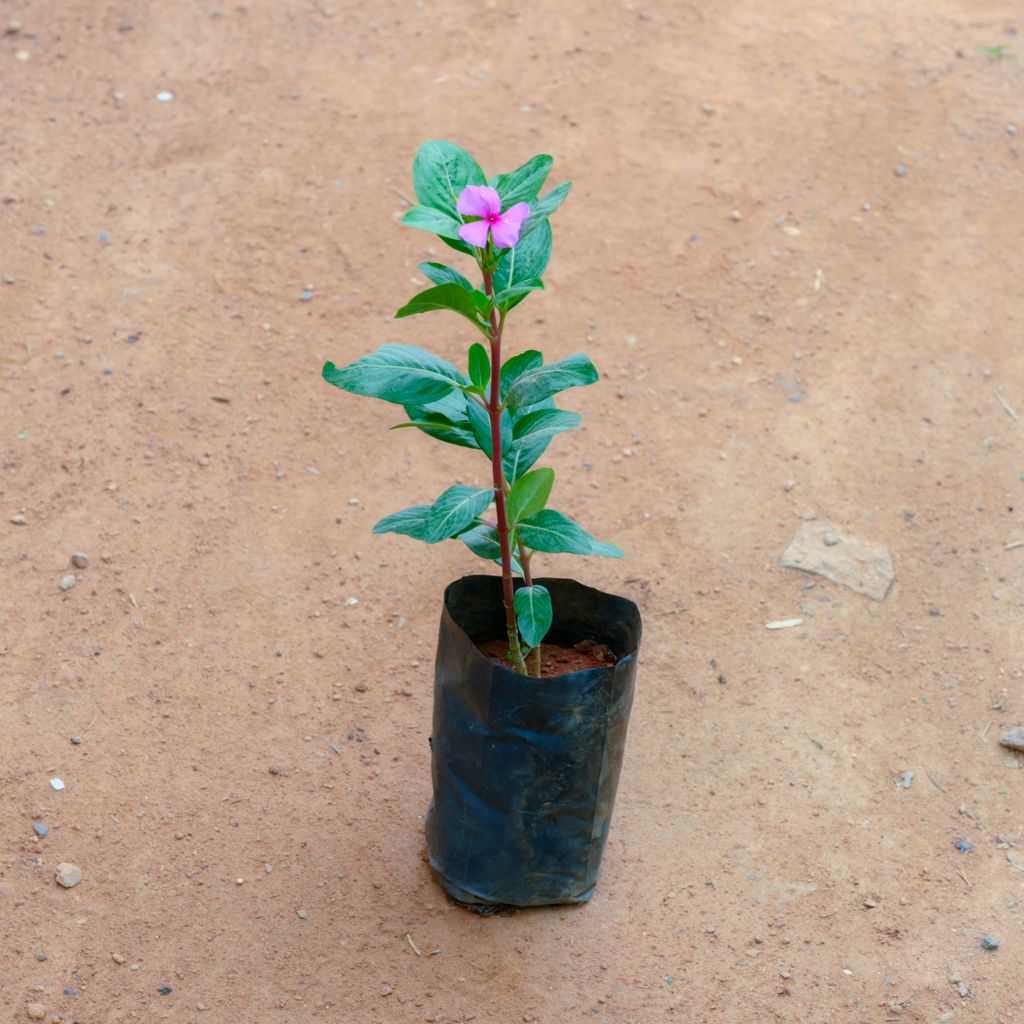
[1014, 739]
[823, 549]
[68, 875]
[36, 1011]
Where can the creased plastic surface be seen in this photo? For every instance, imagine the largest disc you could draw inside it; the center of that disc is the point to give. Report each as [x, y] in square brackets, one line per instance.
[525, 770]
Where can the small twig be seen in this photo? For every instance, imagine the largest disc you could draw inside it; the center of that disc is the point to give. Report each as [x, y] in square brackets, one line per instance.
[401, 195]
[415, 948]
[334, 747]
[820, 746]
[935, 782]
[878, 664]
[984, 732]
[965, 878]
[673, 611]
[1006, 405]
[90, 725]
[1015, 544]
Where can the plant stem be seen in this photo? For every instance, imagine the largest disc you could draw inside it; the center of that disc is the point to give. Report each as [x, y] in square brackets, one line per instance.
[494, 411]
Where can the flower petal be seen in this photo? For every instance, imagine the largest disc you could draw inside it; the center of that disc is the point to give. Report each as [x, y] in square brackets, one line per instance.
[517, 214]
[478, 201]
[476, 233]
[505, 233]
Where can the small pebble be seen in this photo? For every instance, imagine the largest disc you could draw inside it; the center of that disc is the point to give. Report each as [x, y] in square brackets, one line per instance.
[41, 957]
[40, 829]
[22, 55]
[351, 601]
[1014, 739]
[80, 560]
[989, 943]
[119, 958]
[19, 520]
[165, 990]
[307, 295]
[361, 687]
[906, 780]
[57, 784]
[963, 846]
[900, 170]
[68, 875]
[9, 279]
[71, 991]
[36, 1011]
[67, 582]
[165, 96]
[303, 913]
[1011, 129]
[13, 27]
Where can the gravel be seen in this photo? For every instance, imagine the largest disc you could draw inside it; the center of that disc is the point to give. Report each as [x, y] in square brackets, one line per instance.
[68, 875]
[1014, 739]
[80, 560]
[67, 582]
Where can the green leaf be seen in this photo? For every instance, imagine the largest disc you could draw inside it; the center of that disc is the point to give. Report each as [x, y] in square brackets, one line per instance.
[403, 374]
[554, 532]
[426, 218]
[511, 297]
[544, 381]
[443, 296]
[483, 540]
[480, 425]
[440, 274]
[455, 510]
[412, 522]
[526, 262]
[479, 366]
[519, 456]
[529, 494]
[440, 171]
[533, 613]
[515, 367]
[522, 184]
[447, 418]
[544, 207]
[545, 422]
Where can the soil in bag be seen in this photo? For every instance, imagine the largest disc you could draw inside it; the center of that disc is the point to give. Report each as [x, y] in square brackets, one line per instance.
[525, 769]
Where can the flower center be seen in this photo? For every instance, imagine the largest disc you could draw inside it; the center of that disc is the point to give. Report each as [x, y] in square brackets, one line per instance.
[493, 218]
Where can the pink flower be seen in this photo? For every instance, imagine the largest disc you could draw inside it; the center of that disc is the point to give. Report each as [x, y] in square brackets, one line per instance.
[484, 202]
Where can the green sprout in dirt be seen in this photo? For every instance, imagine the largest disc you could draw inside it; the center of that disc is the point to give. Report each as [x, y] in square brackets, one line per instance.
[504, 409]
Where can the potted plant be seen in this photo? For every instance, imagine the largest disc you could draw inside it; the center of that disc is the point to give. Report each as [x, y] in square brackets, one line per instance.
[533, 677]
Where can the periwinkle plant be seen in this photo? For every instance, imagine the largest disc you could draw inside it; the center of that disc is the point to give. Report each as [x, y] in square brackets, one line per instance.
[505, 410]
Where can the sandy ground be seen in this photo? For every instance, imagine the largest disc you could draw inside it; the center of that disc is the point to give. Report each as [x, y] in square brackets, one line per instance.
[793, 249]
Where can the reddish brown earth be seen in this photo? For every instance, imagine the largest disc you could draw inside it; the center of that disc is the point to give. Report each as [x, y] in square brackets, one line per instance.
[556, 660]
[786, 327]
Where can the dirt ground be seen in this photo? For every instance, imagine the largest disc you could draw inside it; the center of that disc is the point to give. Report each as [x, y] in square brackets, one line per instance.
[793, 250]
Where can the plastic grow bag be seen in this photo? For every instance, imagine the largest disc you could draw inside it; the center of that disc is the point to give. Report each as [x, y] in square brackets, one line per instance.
[525, 770]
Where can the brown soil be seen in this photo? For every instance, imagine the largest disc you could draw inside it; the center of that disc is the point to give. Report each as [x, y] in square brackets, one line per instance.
[554, 659]
[793, 251]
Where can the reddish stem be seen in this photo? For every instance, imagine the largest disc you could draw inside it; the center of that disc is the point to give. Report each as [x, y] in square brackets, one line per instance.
[494, 411]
